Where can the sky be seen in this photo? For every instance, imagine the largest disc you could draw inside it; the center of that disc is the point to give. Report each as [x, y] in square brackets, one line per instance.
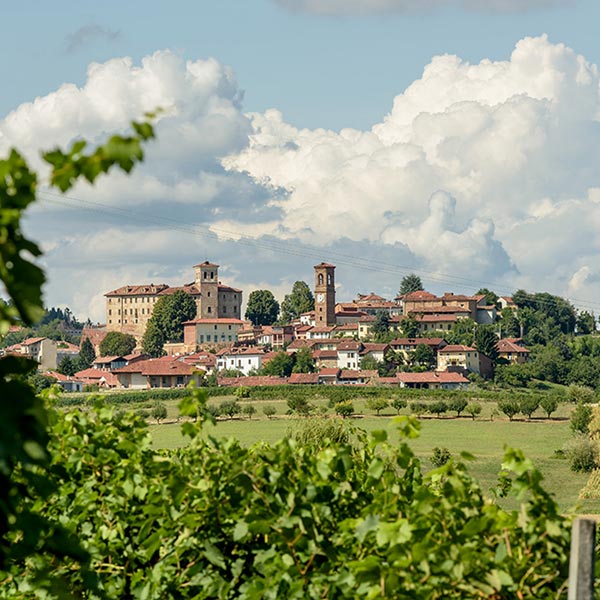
[457, 139]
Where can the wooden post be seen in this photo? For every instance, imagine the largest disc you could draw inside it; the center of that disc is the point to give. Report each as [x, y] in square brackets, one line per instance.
[581, 564]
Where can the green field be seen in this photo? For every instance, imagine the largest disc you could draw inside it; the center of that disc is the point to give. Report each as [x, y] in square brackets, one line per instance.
[485, 438]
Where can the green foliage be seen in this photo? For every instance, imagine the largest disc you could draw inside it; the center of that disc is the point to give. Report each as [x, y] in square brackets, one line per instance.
[528, 405]
[423, 356]
[419, 408]
[514, 375]
[398, 403]
[280, 365]
[581, 393]
[345, 408]
[440, 456]
[116, 343]
[439, 407]
[303, 361]
[586, 322]
[462, 332]
[25, 481]
[248, 410]
[410, 326]
[491, 299]
[381, 326]
[67, 366]
[410, 283]
[269, 411]
[87, 355]
[510, 407]
[242, 392]
[299, 405]
[316, 433]
[159, 411]
[377, 404]
[581, 418]
[485, 341]
[40, 382]
[333, 513]
[230, 408]
[298, 301]
[509, 324]
[262, 308]
[473, 409]
[165, 324]
[582, 454]
[549, 404]
[458, 404]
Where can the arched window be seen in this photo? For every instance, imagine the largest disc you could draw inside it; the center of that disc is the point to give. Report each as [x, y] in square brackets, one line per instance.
[320, 278]
[328, 278]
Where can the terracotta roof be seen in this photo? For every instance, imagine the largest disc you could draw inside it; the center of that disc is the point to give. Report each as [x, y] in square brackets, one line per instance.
[325, 354]
[392, 380]
[349, 313]
[304, 378]
[368, 347]
[165, 365]
[349, 346]
[324, 264]
[190, 288]
[349, 374]
[30, 341]
[419, 295]
[214, 321]
[206, 264]
[509, 346]
[416, 341]
[432, 377]
[251, 380]
[369, 298]
[227, 288]
[104, 360]
[367, 319]
[442, 310]
[329, 372]
[67, 347]
[456, 348]
[148, 289]
[135, 356]
[347, 327]
[435, 318]
[459, 297]
[322, 329]
[96, 375]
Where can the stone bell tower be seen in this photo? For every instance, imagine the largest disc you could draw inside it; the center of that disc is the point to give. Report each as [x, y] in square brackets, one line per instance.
[206, 276]
[324, 295]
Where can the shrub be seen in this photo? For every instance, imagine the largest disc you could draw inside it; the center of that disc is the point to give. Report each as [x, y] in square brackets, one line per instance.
[229, 408]
[458, 404]
[581, 393]
[549, 404]
[300, 405]
[317, 432]
[581, 418]
[377, 404]
[581, 453]
[419, 408]
[528, 405]
[398, 403]
[249, 410]
[440, 456]
[345, 409]
[473, 409]
[510, 407]
[438, 408]
[159, 411]
[242, 392]
[269, 411]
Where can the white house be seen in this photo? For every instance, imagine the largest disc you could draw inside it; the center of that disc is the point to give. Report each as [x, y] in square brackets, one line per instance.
[240, 359]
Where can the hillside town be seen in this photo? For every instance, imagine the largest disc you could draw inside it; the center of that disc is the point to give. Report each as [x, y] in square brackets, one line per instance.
[341, 342]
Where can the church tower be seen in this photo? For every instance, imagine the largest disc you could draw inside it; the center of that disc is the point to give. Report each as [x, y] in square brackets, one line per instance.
[324, 295]
[206, 276]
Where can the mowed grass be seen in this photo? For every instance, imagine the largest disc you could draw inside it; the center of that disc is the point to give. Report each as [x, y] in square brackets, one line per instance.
[484, 438]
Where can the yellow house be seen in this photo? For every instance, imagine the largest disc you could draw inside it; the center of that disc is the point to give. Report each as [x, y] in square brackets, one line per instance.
[457, 355]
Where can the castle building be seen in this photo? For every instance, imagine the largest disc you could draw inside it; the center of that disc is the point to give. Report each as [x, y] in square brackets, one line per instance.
[324, 295]
[129, 307]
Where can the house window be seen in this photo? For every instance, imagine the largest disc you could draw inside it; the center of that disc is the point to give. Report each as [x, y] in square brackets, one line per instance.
[224, 311]
[209, 309]
[109, 311]
[229, 326]
[212, 274]
[205, 275]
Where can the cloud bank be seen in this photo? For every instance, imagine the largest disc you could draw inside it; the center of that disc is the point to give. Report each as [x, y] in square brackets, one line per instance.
[481, 174]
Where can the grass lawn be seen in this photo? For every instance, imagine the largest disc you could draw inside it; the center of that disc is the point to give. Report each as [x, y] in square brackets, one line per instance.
[484, 438]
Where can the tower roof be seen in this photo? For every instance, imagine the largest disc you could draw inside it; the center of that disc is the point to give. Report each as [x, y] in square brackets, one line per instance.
[324, 265]
[206, 264]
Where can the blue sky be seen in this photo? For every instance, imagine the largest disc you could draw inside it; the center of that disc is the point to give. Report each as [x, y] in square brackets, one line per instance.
[455, 142]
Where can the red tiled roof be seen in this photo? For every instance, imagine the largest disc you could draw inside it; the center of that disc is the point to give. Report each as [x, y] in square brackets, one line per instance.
[435, 318]
[325, 354]
[206, 264]
[329, 372]
[322, 329]
[104, 360]
[419, 295]
[324, 264]
[96, 375]
[135, 356]
[227, 288]
[349, 346]
[215, 321]
[432, 377]
[190, 288]
[253, 380]
[347, 327]
[372, 347]
[416, 341]
[67, 347]
[148, 289]
[509, 346]
[163, 366]
[30, 341]
[349, 374]
[456, 348]
[442, 310]
[304, 378]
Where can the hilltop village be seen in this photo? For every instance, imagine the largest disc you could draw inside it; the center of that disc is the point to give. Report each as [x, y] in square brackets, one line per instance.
[370, 340]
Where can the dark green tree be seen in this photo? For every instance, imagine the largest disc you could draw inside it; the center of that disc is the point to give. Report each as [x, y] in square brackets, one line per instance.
[410, 283]
[491, 298]
[262, 307]
[510, 407]
[423, 356]
[117, 344]
[509, 324]
[581, 418]
[87, 355]
[298, 301]
[381, 326]
[165, 324]
[462, 332]
[280, 365]
[586, 322]
[486, 342]
[67, 366]
[409, 326]
[304, 361]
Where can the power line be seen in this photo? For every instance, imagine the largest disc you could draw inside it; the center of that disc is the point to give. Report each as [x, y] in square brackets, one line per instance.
[289, 248]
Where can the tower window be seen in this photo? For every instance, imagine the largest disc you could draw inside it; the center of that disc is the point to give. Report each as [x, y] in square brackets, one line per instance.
[212, 274]
[320, 278]
[328, 278]
[209, 309]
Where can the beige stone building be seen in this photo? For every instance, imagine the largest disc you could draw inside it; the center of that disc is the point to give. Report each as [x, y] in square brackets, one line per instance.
[129, 307]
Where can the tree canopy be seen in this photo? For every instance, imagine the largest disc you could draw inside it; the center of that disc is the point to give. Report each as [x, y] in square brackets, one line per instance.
[87, 355]
[116, 343]
[298, 301]
[262, 307]
[165, 324]
[410, 283]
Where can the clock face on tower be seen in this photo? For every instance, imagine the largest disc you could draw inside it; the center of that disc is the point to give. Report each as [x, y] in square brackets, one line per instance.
[320, 297]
